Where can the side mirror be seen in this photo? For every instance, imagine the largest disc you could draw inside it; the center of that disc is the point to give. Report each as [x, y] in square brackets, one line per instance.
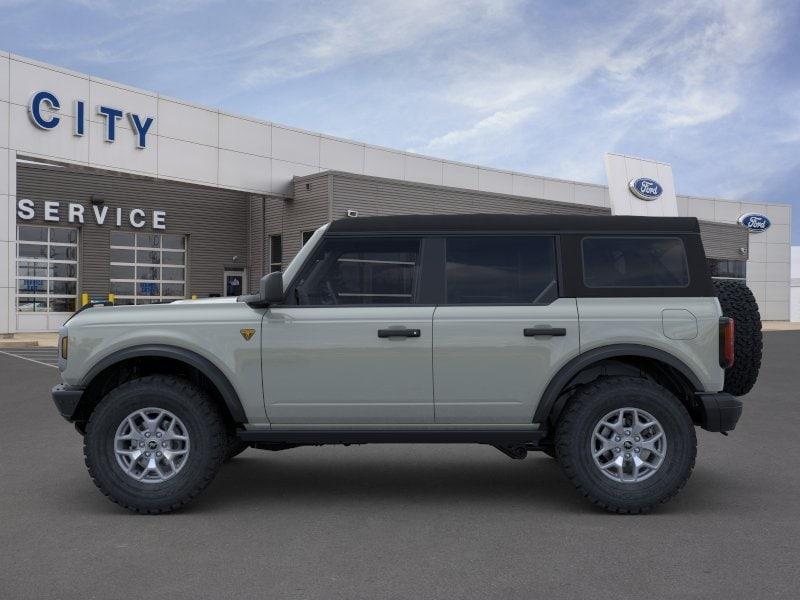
[272, 288]
[270, 291]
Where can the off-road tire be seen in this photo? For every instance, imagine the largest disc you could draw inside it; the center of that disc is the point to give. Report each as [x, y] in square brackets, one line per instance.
[574, 443]
[235, 447]
[192, 406]
[738, 303]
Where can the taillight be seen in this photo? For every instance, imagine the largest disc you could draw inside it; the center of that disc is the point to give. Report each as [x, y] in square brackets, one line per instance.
[726, 336]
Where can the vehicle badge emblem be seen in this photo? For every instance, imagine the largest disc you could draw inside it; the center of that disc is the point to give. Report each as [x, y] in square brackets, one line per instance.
[247, 333]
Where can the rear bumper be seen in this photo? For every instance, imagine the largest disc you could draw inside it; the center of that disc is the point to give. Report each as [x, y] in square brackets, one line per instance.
[67, 400]
[719, 412]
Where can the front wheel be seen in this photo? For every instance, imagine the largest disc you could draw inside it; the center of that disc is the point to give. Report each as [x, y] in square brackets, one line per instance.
[154, 443]
[626, 443]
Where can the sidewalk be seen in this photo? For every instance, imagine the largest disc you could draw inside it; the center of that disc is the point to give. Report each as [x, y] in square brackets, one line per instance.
[30, 340]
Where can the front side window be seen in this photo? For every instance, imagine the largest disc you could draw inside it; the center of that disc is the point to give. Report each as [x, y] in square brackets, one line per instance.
[147, 267]
[360, 271]
[637, 262]
[47, 269]
[501, 270]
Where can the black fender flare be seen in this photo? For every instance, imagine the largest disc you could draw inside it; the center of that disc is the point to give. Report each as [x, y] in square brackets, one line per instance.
[586, 359]
[202, 364]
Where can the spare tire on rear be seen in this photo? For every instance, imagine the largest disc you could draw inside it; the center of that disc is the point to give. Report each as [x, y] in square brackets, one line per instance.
[738, 303]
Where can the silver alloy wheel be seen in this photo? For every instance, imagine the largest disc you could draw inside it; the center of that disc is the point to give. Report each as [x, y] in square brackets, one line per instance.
[628, 445]
[151, 445]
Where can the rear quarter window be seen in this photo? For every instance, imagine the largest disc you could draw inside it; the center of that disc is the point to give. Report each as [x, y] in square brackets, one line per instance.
[634, 262]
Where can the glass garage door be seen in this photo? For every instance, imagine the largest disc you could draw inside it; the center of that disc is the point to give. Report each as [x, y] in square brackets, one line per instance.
[47, 276]
[147, 268]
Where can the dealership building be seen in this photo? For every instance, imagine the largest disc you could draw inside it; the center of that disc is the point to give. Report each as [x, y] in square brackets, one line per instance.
[107, 189]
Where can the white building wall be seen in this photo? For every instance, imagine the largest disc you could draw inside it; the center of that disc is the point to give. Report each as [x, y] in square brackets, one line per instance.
[794, 289]
[197, 144]
[769, 255]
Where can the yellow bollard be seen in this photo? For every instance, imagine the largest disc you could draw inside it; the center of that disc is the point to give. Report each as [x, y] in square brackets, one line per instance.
[112, 298]
[194, 296]
[84, 299]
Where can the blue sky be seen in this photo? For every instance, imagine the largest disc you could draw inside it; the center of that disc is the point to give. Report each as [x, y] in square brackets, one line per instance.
[712, 87]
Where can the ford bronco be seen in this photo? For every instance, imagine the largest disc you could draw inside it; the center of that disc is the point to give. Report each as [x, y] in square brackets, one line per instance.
[601, 341]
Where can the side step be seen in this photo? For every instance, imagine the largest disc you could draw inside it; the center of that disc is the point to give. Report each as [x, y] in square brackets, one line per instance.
[525, 436]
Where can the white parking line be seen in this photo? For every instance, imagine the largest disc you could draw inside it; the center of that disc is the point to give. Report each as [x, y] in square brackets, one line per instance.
[38, 362]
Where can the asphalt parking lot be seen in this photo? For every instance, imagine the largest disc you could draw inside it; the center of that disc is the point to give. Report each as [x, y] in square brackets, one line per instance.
[402, 521]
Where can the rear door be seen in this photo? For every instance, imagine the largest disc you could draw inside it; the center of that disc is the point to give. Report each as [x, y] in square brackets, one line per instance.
[502, 331]
[353, 345]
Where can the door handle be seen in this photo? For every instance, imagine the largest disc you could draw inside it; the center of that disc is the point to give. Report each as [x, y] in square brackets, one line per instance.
[544, 331]
[401, 333]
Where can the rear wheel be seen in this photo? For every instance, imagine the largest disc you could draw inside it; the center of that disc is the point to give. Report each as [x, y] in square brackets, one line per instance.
[154, 443]
[626, 443]
[738, 303]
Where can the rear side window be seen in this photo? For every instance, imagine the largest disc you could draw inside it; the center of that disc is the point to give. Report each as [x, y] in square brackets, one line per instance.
[501, 270]
[360, 271]
[613, 262]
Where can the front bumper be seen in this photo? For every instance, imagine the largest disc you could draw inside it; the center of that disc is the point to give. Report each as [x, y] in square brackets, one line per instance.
[67, 400]
[719, 412]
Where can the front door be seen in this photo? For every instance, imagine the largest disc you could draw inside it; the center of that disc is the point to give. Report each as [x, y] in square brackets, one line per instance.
[235, 283]
[351, 346]
[502, 331]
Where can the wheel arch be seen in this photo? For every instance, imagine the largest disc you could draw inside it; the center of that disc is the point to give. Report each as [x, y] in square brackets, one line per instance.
[97, 377]
[635, 356]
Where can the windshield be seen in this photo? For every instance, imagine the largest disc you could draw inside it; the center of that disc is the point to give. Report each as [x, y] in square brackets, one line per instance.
[301, 256]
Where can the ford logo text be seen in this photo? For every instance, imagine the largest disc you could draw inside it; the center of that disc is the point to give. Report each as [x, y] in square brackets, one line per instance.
[755, 222]
[646, 189]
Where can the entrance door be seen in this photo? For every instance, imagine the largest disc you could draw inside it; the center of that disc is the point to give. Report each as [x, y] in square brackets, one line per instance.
[502, 331]
[235, 283]
[354, 348]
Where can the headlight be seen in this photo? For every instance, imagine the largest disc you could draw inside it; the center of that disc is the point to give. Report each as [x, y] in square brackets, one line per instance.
[64, 347]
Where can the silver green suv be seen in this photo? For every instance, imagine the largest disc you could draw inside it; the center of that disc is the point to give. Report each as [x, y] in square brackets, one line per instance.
[601, 341]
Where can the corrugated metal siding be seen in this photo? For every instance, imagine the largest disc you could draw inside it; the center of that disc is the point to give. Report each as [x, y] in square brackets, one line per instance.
[378, 197]
[724, 241]
[214, 219]
[255, 242]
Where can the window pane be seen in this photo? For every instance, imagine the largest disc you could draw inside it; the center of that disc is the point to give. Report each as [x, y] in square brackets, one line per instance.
[307, 236]
[32, 234]
[148, 240]
[148, 257]
[275, 249]
[122, 289]
[123, 256]
[32, 286]
[172, 274]
[120, 238]
[175, 242]
[31, 251]
[62, 304]
[501, 270]
[172, 289]
[147, 273]
[63, 288]
[64, 252]
[32, 269]
[119, 272]
[634, 262]
[148, 289]
[173, 258]
[31, 304]
[63, 270]
[727, 268]
[63, 235]
[361, 271]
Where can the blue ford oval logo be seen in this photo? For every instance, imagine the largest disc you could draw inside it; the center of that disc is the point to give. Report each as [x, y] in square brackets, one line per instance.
[755, 222]
[646, 189]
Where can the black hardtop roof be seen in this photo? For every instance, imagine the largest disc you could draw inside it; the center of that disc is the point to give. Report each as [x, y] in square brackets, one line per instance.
[515, 223]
